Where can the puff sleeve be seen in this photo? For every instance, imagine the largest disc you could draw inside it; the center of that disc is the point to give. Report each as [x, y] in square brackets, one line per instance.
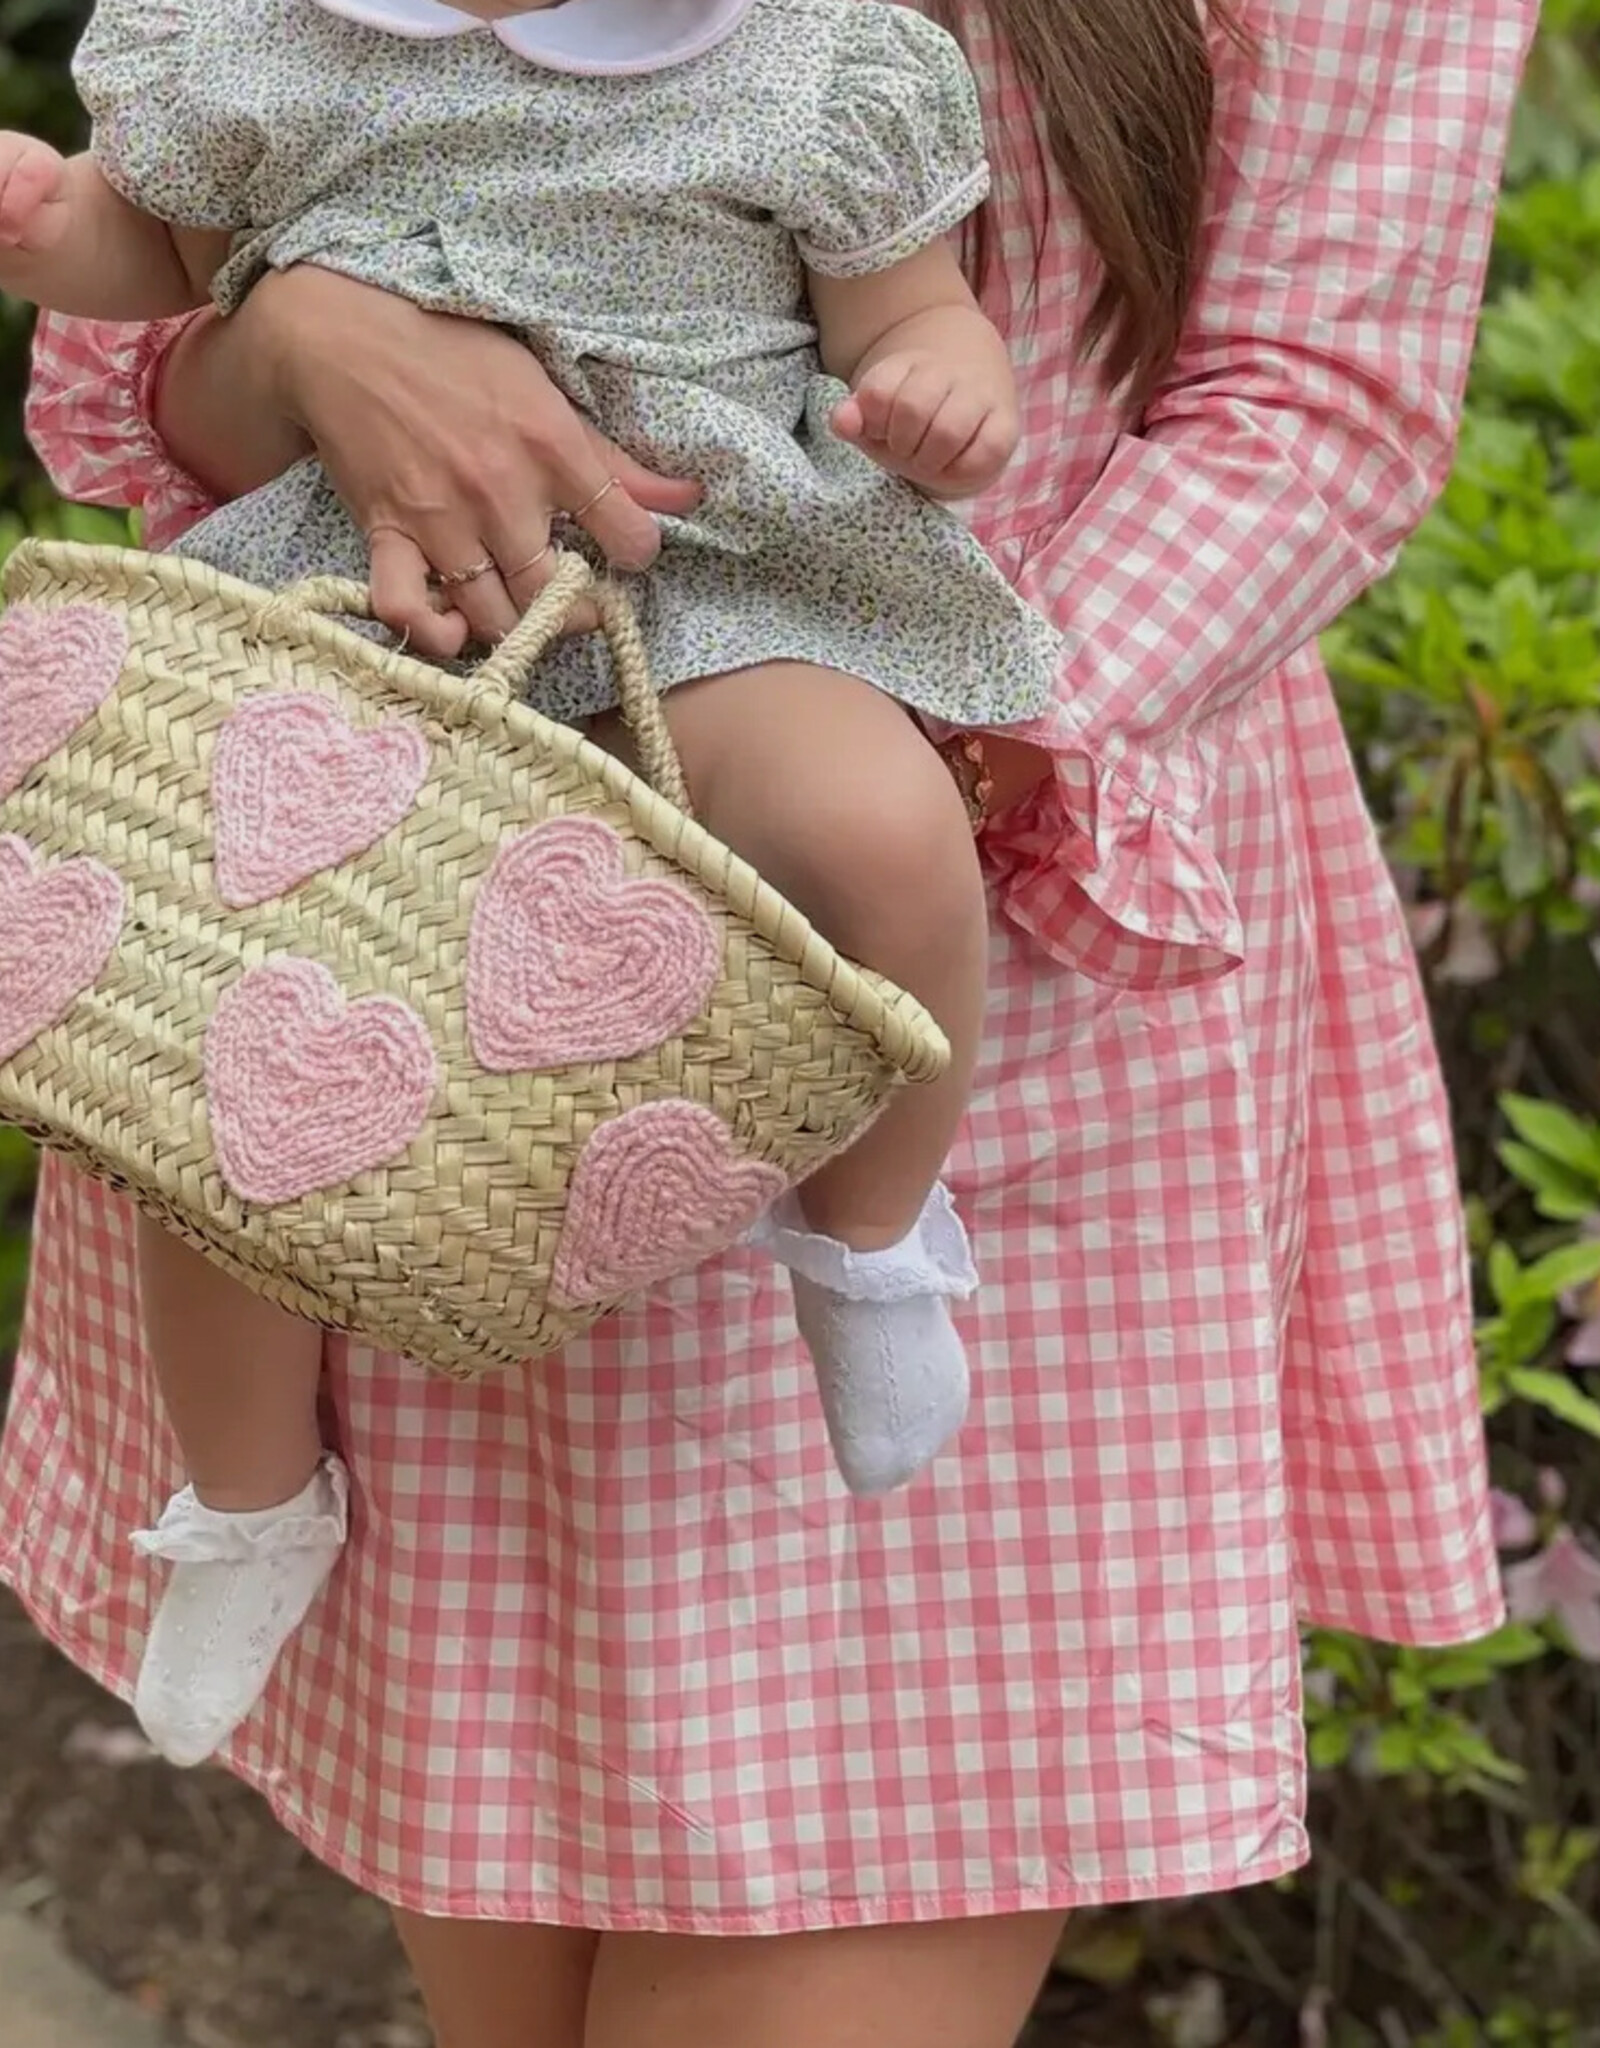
[898, 158]
[169, 145]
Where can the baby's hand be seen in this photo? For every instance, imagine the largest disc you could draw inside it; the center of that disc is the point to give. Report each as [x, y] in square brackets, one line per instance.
[33, 204]
[940, 425]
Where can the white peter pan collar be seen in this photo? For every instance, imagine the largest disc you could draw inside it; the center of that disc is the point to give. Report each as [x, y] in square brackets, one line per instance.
[595, 36]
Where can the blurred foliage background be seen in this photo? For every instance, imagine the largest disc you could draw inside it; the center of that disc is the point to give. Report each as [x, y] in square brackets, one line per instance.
[1456, 1896]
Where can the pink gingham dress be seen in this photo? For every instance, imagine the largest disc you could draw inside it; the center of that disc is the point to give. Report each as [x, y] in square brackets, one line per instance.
[611, 1645]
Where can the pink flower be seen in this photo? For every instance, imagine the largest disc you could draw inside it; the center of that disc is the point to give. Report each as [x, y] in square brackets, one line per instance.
[1583, 1346]
[1582, 1304]
[1469, 954]
[1512, 1521]
[1425, 921]
[1564, 1581]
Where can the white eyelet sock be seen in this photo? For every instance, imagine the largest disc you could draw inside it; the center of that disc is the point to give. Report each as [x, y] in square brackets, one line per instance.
[241, 1585]
[891, 1369]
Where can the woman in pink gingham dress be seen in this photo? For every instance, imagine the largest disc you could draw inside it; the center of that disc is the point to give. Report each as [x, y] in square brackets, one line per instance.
[613, 1662]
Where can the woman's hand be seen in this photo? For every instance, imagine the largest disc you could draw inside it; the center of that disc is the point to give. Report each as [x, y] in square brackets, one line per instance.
[1016, 769]
[445, 439]
[994, 771]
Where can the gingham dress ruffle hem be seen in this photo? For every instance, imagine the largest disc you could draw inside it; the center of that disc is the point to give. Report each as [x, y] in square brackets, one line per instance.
[611, 1645]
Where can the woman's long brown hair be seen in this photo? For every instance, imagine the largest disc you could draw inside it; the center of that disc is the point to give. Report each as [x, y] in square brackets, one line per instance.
[1123, 96]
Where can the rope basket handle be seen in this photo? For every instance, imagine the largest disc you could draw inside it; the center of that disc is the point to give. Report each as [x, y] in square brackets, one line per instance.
[497, 680]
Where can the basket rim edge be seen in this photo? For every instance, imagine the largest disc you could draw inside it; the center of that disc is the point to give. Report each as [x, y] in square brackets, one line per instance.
[904, 1033]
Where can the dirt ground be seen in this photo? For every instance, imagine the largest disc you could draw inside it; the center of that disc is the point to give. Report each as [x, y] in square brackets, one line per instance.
[180, 1890]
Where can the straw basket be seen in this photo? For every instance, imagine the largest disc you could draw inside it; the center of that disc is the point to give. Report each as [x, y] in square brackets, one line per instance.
[412, 1009]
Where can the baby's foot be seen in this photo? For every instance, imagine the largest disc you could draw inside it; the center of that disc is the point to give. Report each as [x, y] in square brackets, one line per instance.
[891, 1369]
[241, 1585]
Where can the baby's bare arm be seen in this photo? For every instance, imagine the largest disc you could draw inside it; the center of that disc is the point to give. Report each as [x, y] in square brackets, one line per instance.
[933, 398]
[924, 302]
[70, 241]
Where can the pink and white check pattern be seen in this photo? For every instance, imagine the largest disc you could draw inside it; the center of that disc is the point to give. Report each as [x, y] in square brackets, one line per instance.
[612, 1646]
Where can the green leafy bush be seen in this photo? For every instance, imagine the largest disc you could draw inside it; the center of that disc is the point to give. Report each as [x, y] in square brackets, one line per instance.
[1459, 1793]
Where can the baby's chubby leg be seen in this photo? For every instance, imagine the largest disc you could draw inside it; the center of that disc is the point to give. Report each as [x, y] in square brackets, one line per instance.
[828, 788]
[238, 1377]
[253, 1536]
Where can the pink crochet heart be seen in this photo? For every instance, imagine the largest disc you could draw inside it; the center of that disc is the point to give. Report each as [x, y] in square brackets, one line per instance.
[58, 927]
[655, 1191]
[297, 788]
[56, 667]
[571, 959]
[306, 1090]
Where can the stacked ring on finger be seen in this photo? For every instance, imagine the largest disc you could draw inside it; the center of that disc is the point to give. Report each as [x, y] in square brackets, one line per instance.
[532, 562]
[589, 504]
[452, 579]
[580, 511]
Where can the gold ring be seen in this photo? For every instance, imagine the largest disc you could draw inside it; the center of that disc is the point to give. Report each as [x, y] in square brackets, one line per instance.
[532, 562]
[964, 754]
[449, 579]
[589, 504]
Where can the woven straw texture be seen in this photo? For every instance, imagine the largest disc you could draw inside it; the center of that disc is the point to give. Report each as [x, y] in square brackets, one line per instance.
[446, 1250]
